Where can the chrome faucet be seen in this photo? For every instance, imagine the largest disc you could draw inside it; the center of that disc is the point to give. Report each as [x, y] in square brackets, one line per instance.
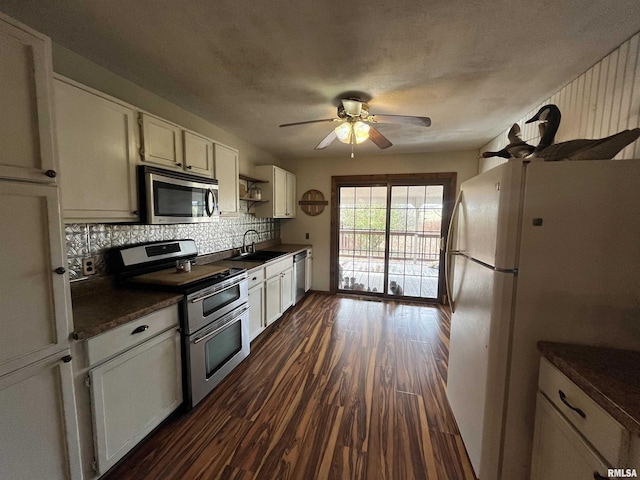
[244, 239]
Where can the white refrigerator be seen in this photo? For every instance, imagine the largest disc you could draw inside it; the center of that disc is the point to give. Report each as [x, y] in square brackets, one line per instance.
[539, 251]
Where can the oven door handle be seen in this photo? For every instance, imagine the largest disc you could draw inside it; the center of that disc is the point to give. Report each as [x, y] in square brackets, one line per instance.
[199, 299]
[225, 326]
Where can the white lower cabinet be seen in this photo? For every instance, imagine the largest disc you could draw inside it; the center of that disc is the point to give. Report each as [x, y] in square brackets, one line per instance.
[560, 452]
[273, 300]
[270, 298]
[574, 438]
[279, 295]
[39, 427]
[133, 393]
[256, 311]
[286, 285]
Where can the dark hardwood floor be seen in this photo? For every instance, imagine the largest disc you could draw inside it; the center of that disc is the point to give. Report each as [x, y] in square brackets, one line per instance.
[338, 388]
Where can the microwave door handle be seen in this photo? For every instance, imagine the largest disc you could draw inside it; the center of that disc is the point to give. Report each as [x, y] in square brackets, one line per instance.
[209, 202]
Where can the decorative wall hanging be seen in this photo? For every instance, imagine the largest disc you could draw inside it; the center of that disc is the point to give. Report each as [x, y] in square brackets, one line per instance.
[312, 202]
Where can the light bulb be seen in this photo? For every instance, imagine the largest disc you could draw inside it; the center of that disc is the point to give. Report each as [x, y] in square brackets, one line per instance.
[343, 132]
[361, 131]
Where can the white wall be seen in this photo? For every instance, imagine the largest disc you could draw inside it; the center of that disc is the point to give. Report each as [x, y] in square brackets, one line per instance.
[602, 101]
[72, 65]
[316, 174]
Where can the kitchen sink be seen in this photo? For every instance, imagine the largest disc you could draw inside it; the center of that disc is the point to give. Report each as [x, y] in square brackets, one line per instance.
[259, 256]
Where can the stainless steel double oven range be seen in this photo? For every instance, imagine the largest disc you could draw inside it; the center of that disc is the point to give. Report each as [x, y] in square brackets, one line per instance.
[214, 311]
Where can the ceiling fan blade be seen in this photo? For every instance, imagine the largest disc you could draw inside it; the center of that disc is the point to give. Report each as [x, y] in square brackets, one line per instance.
[326, 141]
[352, 107]
[380, 140]
[309, 121]
[403, 119]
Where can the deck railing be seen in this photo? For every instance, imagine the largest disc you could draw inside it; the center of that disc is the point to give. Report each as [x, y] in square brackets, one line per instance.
[417, 246]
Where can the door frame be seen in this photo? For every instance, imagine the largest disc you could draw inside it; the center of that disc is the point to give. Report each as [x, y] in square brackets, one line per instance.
[447, 179]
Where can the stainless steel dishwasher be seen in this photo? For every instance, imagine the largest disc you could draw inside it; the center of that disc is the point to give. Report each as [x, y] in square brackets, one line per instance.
[299, 261]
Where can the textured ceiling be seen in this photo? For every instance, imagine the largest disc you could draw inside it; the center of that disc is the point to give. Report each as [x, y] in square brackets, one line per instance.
[247, 66]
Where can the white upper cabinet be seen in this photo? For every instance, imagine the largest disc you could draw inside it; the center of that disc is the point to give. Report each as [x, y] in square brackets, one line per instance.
[290, 187]
[25, 103]
[198, 154]
[226, 172]
[97, 147]
[161, 143]
[280, 193]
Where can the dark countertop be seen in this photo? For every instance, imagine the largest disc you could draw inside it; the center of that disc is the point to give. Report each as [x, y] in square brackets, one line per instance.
[98, 305]
[611, 377]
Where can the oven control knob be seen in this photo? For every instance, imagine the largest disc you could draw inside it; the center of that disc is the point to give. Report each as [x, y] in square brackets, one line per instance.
[60, 270]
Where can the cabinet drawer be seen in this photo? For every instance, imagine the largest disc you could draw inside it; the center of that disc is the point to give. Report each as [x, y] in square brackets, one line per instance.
[601, 430]
[255, 276]
[108, 344]
[278, 267]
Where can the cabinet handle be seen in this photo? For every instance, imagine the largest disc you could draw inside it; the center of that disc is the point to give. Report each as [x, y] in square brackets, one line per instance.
[60, 270]
[66, 358]
[189, 167]
[178, 164]
[597, 476]
[51, 173]
[254, 278]
[140, 329]
[563, 399]
[136, 212]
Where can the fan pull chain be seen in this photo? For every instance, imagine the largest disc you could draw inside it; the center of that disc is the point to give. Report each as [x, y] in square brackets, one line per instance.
[353, 141]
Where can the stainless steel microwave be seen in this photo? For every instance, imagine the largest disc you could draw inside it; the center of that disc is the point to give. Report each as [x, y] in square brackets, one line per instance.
[174, 197]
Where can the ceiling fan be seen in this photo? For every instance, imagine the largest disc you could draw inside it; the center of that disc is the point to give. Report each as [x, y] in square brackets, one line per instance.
[356, 124]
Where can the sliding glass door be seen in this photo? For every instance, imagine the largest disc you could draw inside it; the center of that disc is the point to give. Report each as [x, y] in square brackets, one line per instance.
[387, 235]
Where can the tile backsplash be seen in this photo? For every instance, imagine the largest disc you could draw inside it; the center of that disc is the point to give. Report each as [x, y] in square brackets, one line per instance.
[91, 239]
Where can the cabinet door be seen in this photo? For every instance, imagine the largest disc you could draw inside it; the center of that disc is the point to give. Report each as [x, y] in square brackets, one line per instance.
[39, 427]
[256, 311]
[198, 155]
[161, 142]
[26, 123]
[291, 195]
[273, 300]
[279, 193]
[132, 393]
[559, 451]
[97, 146]
[308, 272]
[33, 297]
[287, 289]
[226, 172]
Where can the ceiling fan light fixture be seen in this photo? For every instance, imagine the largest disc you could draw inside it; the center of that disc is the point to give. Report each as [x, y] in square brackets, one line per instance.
[343, 132]
[361, 131]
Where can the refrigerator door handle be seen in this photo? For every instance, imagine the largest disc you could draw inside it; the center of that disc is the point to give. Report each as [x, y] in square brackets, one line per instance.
[448, 253]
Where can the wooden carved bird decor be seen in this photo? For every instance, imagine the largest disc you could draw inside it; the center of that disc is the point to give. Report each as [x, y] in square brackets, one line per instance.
[517, 147]
[580, 149]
